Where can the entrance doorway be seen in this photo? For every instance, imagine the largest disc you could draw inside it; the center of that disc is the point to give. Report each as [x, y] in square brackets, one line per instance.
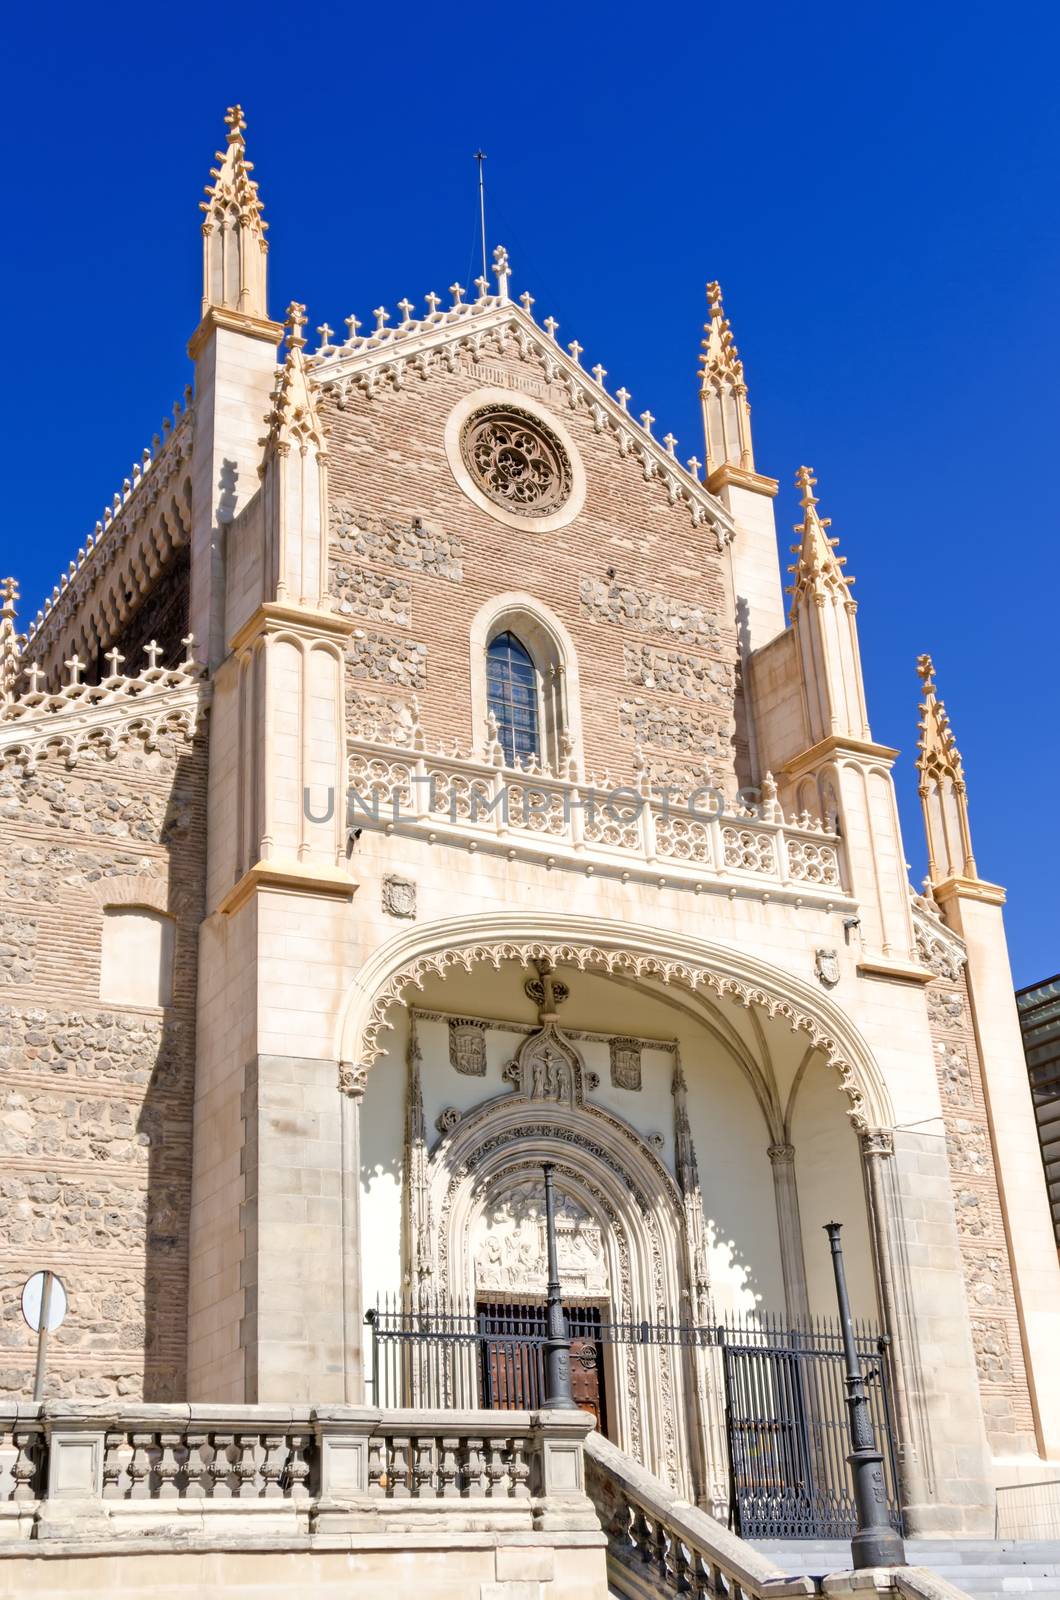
[511, 1361]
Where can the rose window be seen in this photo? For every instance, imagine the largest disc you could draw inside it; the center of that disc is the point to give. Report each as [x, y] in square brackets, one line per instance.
[517, 461]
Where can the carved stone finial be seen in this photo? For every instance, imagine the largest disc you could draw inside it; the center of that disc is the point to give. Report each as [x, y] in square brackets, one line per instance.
[236, 124]
[10, 646]
[234, 248]
[294, 322]
[818, 571]
[501, 271]
[940, 770]
[723, 392]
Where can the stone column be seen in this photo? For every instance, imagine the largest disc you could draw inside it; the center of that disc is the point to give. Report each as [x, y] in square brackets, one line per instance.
[352, 1083]
[789, 1224]
[877, 1148]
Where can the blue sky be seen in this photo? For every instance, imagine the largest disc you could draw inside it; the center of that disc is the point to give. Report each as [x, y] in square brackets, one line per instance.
[874, 186]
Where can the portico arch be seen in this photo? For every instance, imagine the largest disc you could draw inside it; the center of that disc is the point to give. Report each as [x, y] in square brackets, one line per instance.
[649, 956]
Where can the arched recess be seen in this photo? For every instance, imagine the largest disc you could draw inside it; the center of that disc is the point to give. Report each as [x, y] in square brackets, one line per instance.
[648, 956]
[555, 660]
[608, 1172]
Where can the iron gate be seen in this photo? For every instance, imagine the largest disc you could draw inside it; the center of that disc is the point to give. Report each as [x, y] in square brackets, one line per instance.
[786, 1422]
[785, 1407]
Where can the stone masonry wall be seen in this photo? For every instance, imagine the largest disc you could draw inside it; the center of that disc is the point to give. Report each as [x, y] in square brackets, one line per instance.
[644, 595]
[95, 1133]
[980, 1227]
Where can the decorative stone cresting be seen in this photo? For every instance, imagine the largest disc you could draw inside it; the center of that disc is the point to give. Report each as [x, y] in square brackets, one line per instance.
[412, 350]
[587, 957]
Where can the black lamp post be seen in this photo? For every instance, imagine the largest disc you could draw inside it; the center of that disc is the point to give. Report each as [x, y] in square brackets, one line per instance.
[876, 1543]
[558, 1396]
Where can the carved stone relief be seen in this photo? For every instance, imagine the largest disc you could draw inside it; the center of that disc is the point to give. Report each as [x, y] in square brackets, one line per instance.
[547, 1067]
[467, 1046]
[509, 1251]
[399, 897]
[625, 1062]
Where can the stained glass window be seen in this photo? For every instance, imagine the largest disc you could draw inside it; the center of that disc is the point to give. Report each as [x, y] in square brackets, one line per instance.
[511, 689]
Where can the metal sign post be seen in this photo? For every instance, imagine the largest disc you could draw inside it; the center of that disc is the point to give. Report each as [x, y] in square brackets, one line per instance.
[44, 1307]
[876, 1543]
[558, 1394]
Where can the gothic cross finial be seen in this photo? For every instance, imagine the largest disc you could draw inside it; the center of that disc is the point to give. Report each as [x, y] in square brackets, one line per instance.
[457, 292]
[599, 373]
[526, 300]
[9, 593]
[805, 480]
[236, 123]
[380, 314]
[926, 669]
[646, 420]
[75, 667]
[35, 676]
[501, 271]
[550, 325]
[433, 302]
[623, 397]
[152, 651]
[405, 306]
[295, 322]
[694, 465]
[188, 642]
[576, 349]
[114, 659]
[325, 339]
[670, 442]
[352, 323]
[482, 285]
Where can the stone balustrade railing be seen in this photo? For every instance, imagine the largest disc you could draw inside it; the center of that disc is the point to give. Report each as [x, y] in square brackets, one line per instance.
[135, 1469]
[659, 1544]
[593, 827]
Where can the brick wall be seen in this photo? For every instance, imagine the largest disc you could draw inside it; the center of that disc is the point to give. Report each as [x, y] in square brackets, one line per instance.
[95, 1136]
[415, 558]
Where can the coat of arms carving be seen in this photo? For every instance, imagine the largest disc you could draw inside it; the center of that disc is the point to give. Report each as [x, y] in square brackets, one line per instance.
[826, 967]
[467, 1047]
[399, 897]
[625, 1063]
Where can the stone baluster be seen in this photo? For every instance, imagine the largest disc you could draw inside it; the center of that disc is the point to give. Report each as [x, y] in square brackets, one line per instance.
[221, 1467]
[141, 1465]
[423, 1479]
[473, 1466]
[272, 1465]
[449, 1486]
[246, 1465]
[300, 1465]
[399, 1467]
[171, 1458]
[497, 1471]
[520, 1469]
[114, 1465]
[197, 1478]
[27, 1463]
[378, 1478]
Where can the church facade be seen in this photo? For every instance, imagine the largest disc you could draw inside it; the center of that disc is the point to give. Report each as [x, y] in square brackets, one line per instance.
[418, 776]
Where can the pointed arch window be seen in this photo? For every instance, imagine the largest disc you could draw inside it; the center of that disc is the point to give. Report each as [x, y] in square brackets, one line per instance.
[512, 694]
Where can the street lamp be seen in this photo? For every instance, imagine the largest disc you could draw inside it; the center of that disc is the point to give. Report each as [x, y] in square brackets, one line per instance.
[558, 1396]
[876, 1543]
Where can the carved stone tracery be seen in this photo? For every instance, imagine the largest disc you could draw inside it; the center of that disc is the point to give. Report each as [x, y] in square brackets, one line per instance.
[517, 460]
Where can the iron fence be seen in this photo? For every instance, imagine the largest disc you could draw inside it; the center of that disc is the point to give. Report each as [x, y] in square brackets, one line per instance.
[785, 1405]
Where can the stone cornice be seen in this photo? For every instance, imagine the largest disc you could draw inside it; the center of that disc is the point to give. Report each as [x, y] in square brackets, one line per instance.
[273, 617]
[839, 744]
[729, 476]
[292, 877]
[991, 894]
[894, 971]
[216, 317]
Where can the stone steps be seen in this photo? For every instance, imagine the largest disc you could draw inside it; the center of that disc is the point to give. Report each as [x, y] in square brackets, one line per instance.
[987, 1569]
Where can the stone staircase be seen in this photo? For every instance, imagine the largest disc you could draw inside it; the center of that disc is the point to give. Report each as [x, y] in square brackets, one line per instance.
[987, 1569]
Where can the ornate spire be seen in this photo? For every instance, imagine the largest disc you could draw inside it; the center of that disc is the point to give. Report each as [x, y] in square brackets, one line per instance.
[818, 570]
[294, 473]
[723, 392]
[10, 643]
[294, 418]
[233, 232]
[943, 791]
[823, 615]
